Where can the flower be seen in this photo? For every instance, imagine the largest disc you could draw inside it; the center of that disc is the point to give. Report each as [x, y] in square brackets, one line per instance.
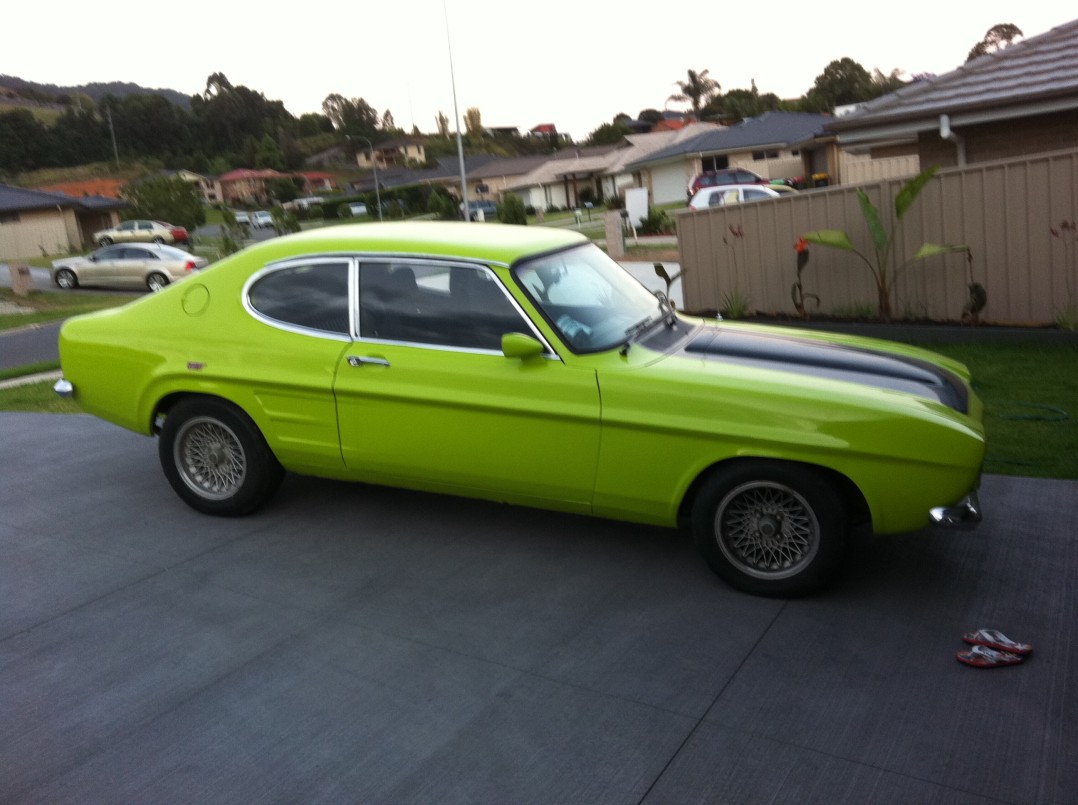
[801, 246]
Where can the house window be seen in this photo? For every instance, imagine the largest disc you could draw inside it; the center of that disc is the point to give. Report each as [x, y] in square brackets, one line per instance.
[9, 218]
[757, 155]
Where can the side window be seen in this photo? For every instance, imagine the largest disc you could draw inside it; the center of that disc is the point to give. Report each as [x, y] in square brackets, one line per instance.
[450, 306]
[311, 295]
[127, 226]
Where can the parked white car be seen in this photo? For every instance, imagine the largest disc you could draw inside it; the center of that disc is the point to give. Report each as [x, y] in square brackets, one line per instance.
[732, 194]
[261, 218]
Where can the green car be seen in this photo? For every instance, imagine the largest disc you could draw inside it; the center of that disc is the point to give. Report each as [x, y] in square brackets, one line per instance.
[522, 364]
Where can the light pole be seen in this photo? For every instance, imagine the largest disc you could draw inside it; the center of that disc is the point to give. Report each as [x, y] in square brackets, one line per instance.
[377, 192]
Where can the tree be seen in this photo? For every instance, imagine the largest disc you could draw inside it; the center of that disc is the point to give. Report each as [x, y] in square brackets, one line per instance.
[269, 154]
[387, 122]
[608, 134]
[473, 122]
[996, 38]
[165, 198]
[697, 90]
[842, 82]
[650, 115]
[443, 124]
[354, 116]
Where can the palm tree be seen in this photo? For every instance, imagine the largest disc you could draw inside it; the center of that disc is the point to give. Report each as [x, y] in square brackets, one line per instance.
[697, 90]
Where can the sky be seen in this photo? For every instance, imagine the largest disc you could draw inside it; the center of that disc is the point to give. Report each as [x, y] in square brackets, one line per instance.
[571, 63]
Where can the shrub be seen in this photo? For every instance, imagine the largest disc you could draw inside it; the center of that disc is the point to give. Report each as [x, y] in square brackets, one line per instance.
[511, 210]
[656, 222]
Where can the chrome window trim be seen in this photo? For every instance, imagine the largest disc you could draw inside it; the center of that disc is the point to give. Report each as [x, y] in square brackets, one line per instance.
[280, 265]
[427, 260]
[354, 259]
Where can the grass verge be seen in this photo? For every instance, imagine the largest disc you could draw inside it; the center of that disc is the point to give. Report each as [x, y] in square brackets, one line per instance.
[44, 306]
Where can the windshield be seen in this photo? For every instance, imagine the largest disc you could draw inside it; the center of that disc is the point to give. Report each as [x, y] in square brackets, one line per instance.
[591, 301]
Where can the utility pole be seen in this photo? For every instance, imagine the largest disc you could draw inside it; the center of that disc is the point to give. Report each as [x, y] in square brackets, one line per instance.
[456, 114]
[112, 131]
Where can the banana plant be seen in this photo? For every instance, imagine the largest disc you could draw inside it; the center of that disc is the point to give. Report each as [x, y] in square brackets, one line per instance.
[883, 267]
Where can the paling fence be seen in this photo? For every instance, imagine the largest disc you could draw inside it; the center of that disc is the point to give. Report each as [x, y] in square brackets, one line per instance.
[1017, 217]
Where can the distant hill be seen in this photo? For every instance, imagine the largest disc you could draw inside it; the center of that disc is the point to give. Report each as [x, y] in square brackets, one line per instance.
[44, 93]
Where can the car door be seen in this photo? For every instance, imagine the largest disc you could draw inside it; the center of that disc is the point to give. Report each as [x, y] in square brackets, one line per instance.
[125, 232]
[134, 264]
[106, 266]
[426, 398]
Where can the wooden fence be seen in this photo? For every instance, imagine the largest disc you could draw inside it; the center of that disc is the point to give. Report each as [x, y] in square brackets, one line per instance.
[1017, 217]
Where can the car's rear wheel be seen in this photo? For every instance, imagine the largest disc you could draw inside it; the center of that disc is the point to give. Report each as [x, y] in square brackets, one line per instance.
[66, 279]
[771, 528]
[216, 459]
[105, 242]
[159, 240]
[156, 281]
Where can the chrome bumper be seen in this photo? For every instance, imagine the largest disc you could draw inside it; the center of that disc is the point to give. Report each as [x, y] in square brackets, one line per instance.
[64, 388]
[965, 514]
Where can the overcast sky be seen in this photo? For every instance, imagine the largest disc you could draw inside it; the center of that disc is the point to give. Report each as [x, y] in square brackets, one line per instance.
[575, 64]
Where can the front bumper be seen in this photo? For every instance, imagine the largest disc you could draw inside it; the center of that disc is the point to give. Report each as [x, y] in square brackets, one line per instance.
[965, 514]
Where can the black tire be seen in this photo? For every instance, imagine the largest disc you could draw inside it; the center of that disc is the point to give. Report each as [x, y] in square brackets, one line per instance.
[105, 242]
[771, 528]
[65, 278]
[216, 459]
[159, 240]
[156, 281]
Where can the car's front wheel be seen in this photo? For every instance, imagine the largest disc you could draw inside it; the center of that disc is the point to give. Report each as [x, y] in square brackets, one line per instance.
[66, 279]
[771, 528]
[156, 281]
[216, 459]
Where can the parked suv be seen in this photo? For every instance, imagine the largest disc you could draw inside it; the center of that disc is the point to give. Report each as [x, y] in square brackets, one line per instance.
[724, 176]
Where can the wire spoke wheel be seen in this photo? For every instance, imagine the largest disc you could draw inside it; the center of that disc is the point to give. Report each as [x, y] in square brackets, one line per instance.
[767, 529]
[210, 458]
[771, 527]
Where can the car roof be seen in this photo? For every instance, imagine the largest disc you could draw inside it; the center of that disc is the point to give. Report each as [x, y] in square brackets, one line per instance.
[722, 188]
[490, 242]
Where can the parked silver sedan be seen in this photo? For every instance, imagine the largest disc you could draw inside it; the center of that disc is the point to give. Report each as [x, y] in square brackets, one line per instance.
[130, 265]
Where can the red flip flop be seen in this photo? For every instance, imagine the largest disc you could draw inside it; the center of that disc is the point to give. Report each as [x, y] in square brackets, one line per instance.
[993, 638]
[984, 657]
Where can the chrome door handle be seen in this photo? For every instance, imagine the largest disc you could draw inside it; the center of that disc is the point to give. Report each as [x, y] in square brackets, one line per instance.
[355, 360]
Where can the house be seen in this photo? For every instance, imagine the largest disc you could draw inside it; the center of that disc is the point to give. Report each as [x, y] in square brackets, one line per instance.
[315, 182]
[246, 187]
[764, 144]
[398, 152]
[35, 223]
[1013, 103]
[209, 189]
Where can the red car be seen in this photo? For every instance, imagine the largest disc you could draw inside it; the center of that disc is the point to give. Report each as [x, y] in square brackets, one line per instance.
[179, 233]
[724, 176]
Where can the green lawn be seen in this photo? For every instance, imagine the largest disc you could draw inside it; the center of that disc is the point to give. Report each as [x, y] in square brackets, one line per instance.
[1030, 394]
[44, 306]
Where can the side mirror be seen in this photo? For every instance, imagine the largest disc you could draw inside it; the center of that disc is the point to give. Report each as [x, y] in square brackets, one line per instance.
[518, 345]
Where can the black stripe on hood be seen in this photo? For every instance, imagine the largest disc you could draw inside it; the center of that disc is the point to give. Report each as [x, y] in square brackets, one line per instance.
[833, 361]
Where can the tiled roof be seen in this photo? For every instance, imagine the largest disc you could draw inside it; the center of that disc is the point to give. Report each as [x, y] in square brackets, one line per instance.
[773, 129]
[1041, 71]
[89, 187]
[18, 199]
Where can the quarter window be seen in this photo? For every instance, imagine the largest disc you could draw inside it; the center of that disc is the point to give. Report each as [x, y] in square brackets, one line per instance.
[313, 295]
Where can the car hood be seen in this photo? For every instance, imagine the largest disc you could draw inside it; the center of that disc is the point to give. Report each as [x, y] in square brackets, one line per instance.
[848, 362]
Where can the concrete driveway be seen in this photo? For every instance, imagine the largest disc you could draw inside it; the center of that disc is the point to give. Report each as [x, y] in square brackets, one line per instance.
[351, 643]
